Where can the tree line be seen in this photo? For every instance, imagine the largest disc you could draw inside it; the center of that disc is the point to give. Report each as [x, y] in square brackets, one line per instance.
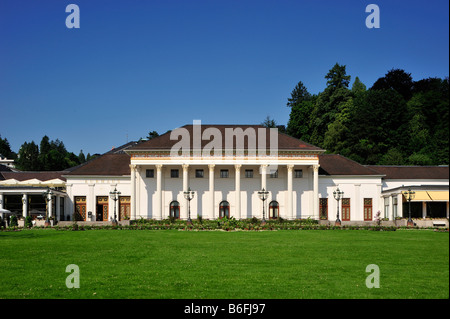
[397, 121]
[49, 155]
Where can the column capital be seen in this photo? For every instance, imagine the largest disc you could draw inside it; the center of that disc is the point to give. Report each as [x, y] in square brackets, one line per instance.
[185, 166]
[290, 167]
[211, 166]
[158, 167]
[133, 167]
[237, 166]
[316, 167]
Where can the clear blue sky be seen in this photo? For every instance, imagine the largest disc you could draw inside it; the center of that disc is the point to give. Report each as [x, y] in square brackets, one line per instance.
[137, 66]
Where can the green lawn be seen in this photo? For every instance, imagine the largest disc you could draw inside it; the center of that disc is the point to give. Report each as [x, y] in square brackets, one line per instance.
[216, 264]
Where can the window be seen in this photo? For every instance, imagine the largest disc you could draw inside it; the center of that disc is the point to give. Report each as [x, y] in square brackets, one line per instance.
[199, 173]
[274, 174]
[174, 173]
[248, 173]
[386, 207]
[323, 208]
[367, 209]
[174, 211]
[223, 173]
[274, 210]
[224, 209]
[394, 206]
[150, 173]
[346, 209]
[298, 173]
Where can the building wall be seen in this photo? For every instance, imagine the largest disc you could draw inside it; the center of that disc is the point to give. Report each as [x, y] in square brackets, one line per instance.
[91, 187]
[356, 188]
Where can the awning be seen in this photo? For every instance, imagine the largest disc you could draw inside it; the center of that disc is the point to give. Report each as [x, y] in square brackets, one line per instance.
[438, 195]
[429, 196]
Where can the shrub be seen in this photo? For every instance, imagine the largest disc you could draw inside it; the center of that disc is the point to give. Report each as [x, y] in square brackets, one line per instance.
[28, 222]
[13, 221]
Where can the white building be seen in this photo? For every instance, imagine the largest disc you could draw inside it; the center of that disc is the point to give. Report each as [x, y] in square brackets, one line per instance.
[227, 165]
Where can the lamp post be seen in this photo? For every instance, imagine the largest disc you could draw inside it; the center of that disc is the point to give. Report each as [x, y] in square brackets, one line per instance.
[114, 196]
[409, 194]
[263, 194]
[189, 195]
[337, 196]
[48, 201]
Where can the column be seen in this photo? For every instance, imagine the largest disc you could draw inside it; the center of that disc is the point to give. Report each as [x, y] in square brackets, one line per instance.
[263, 170]
[2, 198]
[237, 168]
[50, 207]
[290, 212]
[158, 213]
[58, 208]
[25, 205]
[316, 192]
[264, 176]
[424, 209]
[400, 205]
[391, 208]
[211, 213]
[91, 203]
[185, 188]
[133, 191]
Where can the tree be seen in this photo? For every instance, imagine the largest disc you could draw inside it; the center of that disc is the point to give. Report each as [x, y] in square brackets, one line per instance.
[299, 125]
[337, 77]
[298, 95]
[81, 157]
[152, 134]
[5, 149]
[398, 80]
[27, 159]
[358, 86]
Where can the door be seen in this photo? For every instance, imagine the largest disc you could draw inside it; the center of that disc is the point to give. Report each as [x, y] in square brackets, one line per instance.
[323, 208]
[80, 208]
[274, 210]
[346, 209]
[124, 209]
[102, 208]
[367, 209]
[224, 209]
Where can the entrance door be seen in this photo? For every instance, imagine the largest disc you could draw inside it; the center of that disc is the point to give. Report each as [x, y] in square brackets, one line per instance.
[346, 209]
[124, 209]
[80, 208]
[224, 209]
[102, 208]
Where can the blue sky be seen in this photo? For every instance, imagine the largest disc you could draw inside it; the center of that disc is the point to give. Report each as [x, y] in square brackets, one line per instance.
[138, 66]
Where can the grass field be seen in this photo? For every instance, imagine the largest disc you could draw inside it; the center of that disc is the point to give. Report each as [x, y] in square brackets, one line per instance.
[215, 264]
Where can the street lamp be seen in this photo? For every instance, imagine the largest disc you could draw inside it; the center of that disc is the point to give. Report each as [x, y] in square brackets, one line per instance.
[114, 196]
[409, 194]
[189, 195]
[337, 196]
[48, 199]
[263, 194]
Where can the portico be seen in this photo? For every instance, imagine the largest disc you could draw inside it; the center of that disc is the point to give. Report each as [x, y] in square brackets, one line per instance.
[231, 179]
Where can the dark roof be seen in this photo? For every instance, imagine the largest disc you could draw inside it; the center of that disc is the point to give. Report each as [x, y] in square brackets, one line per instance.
[335, 164]
[285, 142]
[412, 172]
[105, 165]
[42, 176]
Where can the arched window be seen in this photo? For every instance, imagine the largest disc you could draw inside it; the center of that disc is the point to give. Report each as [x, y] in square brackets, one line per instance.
[224, 209]
[274, 210]
[175, 209]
